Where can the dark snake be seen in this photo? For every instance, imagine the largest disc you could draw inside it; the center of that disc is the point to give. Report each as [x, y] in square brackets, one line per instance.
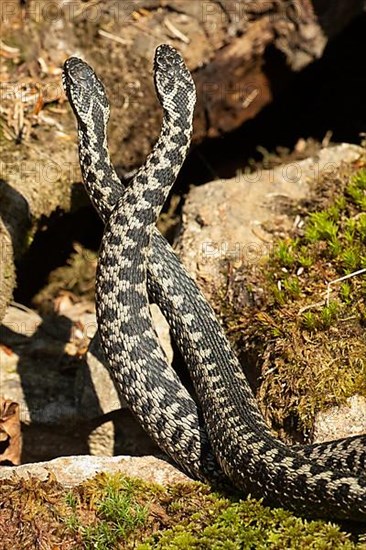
[314, 480]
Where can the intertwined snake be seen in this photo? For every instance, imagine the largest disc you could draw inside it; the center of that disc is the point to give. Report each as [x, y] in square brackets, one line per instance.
[326, 482]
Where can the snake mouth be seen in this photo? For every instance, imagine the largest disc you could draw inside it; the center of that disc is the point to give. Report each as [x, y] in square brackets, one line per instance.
[67, 79]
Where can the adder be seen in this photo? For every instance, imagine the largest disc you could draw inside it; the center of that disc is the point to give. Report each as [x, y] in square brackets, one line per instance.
[324, 484]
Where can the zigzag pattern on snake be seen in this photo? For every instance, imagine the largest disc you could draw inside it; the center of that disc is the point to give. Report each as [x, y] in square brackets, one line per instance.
[245, 448]
[104, 187]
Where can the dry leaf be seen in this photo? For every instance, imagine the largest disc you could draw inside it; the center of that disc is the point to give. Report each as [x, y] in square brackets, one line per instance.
[10, 433]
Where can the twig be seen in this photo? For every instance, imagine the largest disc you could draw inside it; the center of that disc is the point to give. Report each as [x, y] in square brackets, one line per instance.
[250, 98]
[113, 37]
[310, 306]
[344, 278]
[8, 49]
[176, 32]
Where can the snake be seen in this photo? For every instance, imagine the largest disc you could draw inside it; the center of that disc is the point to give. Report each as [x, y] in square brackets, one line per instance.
[226, 427]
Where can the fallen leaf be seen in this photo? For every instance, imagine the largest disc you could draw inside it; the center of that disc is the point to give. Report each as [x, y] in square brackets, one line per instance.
[10, 433]
[8, 351]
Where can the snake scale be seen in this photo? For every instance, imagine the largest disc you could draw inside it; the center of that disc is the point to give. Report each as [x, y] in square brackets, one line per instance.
[227, 426]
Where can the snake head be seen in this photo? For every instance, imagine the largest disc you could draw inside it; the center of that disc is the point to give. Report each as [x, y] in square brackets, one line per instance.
[173, 81]
[84, 91]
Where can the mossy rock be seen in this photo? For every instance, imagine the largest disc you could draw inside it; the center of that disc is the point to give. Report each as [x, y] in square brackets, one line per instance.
[114, 511]
[304, 330]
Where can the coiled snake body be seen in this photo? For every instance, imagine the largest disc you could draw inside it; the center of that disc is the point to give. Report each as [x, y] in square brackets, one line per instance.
[324, 481]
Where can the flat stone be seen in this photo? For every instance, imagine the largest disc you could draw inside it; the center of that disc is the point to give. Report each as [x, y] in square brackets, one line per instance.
[73, 470]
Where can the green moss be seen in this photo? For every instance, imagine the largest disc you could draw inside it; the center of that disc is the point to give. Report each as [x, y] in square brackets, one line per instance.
[292, 287]
[114, 511]
[309, 321]
[284, 253]
[248, 525]
[320, 226]
[117, 510]
[306, 336]
[356, 190]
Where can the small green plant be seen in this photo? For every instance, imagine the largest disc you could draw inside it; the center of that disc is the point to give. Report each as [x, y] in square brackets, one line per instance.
[278, 295]
[99, 537]
[292, 287]
[120, 508]
[71, 500]
[309, 321]
[312, 322]
[304, 258]
[335, 247]
[320, 227]
[356, 189]
[72, 520]
[349, 230]
[361, 226]
[345, 292]
[329, 314]
[334, 212]
[350, 259]
[118, 514]
[284, 254]
[341, 203]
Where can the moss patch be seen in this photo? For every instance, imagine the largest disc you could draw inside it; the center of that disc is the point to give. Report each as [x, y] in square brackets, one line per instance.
[305, 337]
[113, 511]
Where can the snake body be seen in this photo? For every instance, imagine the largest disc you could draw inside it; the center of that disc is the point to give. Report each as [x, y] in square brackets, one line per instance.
[246, 450]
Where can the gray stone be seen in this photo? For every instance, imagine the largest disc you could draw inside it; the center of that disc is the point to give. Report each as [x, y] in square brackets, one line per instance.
[72, 470]
[229, 219]
[66, 403]
[30, 359]
[343, 421]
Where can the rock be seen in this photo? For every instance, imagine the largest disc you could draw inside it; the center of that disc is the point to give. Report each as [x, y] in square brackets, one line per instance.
[228, 219]
[31, 368]
[344, 421]
[72, 470]
[67, 405]
[7, 269]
